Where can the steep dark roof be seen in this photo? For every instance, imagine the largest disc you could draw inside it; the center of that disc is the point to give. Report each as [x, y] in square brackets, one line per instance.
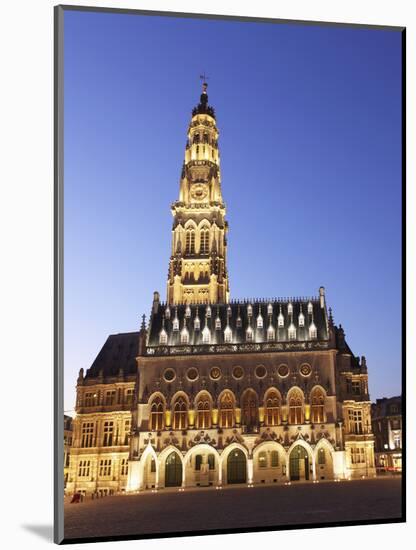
[162, 318]
[118, 352]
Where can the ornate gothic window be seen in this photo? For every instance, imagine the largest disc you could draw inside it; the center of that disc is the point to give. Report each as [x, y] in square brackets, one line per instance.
[313, 333]
[228, 334]
[163, 337]
[204, 241]
[184, 336]
[206, 336]
[226, 410]
[296, 408]
[292, 332]
[203, 412]
[250, 409]
[317, 407]
[272, 409]
[180, 414]
[190, 242]
[157, 414]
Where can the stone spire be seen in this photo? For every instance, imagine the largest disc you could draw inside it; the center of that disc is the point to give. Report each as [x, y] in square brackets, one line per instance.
[197, 268]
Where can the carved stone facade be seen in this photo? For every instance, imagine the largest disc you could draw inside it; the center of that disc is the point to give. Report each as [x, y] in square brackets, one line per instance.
[217, 391]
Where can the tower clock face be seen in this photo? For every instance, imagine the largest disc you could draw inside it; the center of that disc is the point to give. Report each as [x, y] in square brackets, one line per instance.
[199, 192]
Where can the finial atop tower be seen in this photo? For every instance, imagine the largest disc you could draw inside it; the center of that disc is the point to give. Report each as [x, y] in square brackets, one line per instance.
[204, 96]
[203, 107]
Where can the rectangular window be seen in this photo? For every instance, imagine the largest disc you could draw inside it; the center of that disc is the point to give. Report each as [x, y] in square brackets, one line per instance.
[108, 433]
[211, 462]
[89, 399]
[127, 424]
[355, 418]
[87, 433]
[105, 467]
[358, 455]
[274, 459]
[356, 387]
[84, 468]
[110, 397]
[124, 470]
[129, 396]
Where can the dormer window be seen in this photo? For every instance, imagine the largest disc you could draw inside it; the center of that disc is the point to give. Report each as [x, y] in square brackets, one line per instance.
[310, 308]
[239, 322]
[259, 321]
[249, 310]
[184, 336]
[270, 333]
[249, 334]
[281, 320]
[175, 324]
[206, 335]
[313, 333]
[208, 312]
[217, 323]
[197, 323]
[270, 309]
[163, 337]
[290, 308]
[228, 334]
[301, 320]
[292, 332]
[167, 313]
[187, 311]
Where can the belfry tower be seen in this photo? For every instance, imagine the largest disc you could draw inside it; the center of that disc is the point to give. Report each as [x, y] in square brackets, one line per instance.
[197, 267]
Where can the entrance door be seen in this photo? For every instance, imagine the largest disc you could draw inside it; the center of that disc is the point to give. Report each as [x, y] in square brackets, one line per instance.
[299, 464]
[173, 470]
[236, 467]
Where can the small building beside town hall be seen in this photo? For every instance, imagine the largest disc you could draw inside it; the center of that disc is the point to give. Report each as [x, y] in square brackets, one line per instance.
[214, 390]
[386, 416]
[67, 446]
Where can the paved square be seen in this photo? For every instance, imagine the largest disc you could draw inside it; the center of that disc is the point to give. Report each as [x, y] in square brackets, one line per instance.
[233, 508]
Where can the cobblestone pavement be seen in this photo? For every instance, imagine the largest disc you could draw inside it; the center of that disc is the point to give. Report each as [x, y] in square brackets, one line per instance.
[170, 511]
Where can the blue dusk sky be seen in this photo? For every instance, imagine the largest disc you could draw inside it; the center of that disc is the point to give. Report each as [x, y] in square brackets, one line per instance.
[310, 143]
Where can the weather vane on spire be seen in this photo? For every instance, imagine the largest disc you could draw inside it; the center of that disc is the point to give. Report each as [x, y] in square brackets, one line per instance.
[204, 79]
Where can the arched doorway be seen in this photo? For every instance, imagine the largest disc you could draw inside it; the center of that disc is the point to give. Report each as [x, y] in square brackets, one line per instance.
[173, 470]
[299, 464]
[236, 467]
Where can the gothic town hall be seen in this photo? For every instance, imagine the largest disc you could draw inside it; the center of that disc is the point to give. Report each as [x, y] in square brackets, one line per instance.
[216, 391]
